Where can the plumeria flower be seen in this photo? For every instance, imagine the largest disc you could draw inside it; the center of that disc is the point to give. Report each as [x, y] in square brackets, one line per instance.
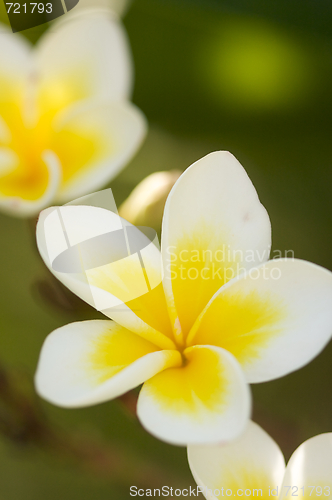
[253, 465]
[221, 318]
[66, 124]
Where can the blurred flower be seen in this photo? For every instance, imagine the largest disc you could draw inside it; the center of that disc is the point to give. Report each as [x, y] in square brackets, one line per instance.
[221, 318]
[145, 205]
[66, 125]
[255, 463]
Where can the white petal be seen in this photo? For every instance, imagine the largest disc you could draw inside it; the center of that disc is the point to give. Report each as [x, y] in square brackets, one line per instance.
[89, 362]
[213, 220]
[274, 320]
[310, 468]
[87, 57]
[71, 241]
[205, 400]
[94, 142]
[253, 461]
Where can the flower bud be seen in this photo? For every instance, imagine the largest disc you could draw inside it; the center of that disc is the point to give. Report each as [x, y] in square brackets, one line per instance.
[145, 205]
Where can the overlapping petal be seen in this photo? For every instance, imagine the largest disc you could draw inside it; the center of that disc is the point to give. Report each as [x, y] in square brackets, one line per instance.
[205, 400]
[93, 361]
[274, 319]
[125, 286]
[253, 462]
[214, 228]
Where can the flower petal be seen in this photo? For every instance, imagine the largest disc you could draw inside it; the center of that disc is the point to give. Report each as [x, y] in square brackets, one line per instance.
[90, 362]
[310, 467]
[274, 320]
[24, 192]
[85, 247]
[15, 65]
[212, 219]
[93, 143]
[86, 57]
[205, 400]
[253, 461]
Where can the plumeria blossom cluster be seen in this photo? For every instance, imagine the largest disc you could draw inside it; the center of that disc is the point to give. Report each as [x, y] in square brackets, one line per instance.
[198, 336]
[253, 466]
[66, 124]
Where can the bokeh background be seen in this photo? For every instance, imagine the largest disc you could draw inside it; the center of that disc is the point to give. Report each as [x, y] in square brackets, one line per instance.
[250, 76]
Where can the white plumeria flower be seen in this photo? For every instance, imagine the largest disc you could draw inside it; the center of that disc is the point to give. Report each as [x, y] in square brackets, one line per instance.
[197, 339]
[253, 466]
[66, 124]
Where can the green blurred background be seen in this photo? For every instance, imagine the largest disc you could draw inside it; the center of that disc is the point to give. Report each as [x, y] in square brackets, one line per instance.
[250, 76]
